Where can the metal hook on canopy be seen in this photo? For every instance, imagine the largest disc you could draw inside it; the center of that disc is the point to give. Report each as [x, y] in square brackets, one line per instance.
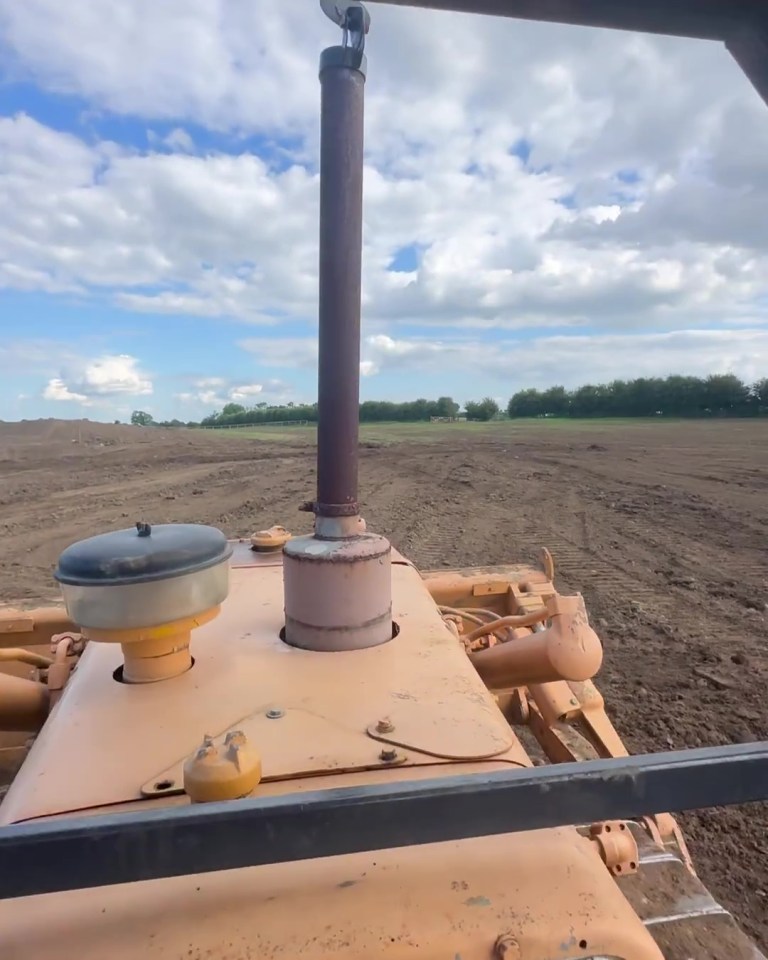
[352, 17]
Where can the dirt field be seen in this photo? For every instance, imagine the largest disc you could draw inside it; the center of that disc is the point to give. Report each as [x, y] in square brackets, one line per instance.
[662, 526]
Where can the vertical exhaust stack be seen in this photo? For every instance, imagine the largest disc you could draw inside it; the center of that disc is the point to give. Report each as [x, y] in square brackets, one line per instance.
[338, 588]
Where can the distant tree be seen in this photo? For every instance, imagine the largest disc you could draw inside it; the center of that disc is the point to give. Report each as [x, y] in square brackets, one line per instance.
[485, 409]
[528, 403]
[169, 423]
[232, 409]
[645, 397]
[555, 401]
[446, 407]
[589, 401]
[726, 394]
[760, 393]
[139, 418]
[488, 408]
[678, 395]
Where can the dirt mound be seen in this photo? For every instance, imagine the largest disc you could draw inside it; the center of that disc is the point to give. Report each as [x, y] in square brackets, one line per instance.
[72, 431]
[63, 444]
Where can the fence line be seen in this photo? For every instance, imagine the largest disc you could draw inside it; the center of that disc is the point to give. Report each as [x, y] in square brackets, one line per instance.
[263, 423]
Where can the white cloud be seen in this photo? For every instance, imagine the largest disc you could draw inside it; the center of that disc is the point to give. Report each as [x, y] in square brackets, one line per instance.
[18, 277]
[216, 228]
[575, 360]
[383, 352]
[34, 355]
[246, 391]
[99, 380]
[216, 392]
[56, 389]
[208, 397]
[220, 63]
[179, 139]
[605, 182]
[286, 352]
[112, 375]
[225, 236]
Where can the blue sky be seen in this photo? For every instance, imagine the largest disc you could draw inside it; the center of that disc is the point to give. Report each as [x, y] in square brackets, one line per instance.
[543, 205]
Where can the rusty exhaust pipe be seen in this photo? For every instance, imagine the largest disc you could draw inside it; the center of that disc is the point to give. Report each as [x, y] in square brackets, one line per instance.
[342, 80]
[338, 582]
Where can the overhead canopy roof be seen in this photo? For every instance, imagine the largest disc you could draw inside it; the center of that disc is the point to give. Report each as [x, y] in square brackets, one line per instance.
[741, 24]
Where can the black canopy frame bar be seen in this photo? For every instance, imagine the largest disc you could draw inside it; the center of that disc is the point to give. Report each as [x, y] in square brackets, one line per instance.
[66, 854]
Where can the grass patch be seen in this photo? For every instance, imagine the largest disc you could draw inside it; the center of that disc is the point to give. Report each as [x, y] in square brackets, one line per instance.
[424, 432]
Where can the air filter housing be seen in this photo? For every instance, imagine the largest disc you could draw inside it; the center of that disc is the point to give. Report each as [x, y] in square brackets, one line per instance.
[145, 575]
[146, 588]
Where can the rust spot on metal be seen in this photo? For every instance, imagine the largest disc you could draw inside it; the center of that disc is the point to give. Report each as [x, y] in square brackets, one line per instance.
[477, 902]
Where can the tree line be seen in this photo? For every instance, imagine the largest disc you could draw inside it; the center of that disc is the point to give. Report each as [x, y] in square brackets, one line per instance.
[371, 411]
[676, 396]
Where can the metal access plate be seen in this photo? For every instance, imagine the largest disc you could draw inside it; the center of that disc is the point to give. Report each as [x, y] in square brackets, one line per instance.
[108, 742]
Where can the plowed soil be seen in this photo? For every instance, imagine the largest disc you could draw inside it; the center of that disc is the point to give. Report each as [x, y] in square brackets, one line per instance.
[662, 527]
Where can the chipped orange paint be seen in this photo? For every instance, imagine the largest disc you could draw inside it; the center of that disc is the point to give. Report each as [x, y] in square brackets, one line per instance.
[546, 888]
